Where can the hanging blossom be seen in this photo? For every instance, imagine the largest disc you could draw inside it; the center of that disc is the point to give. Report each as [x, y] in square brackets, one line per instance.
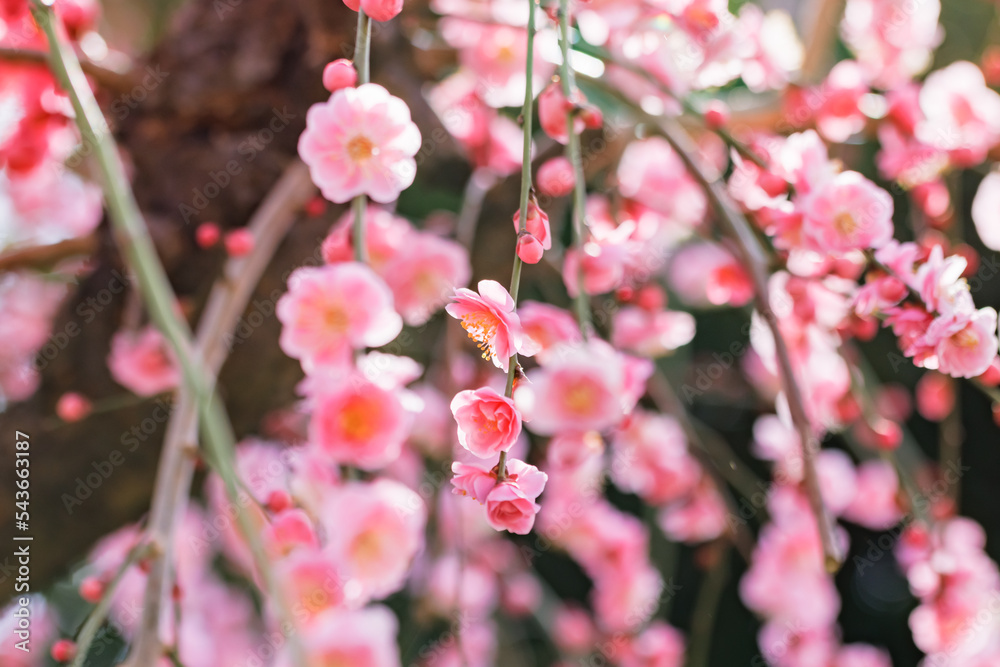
[489, 318]
[360, 141]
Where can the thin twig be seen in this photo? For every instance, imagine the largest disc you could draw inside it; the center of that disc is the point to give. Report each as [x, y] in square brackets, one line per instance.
[108, 78]
[229, 297]
[824, 20]
[515, 276]
[97, 616]
[717, 460]
[362, 55]
[140, 254]
[703, 618]
[573, 153]
[480, 182]
[44, 257]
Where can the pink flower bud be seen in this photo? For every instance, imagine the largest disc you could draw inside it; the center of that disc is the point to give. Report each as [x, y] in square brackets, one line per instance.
[72, 407]
[555, 177]
[239, 242]
[529, 249]
[716, 114]
[92, 589]
[935, 396]
[64, 650]
[207, 234]
[382, 10]
[339, 74]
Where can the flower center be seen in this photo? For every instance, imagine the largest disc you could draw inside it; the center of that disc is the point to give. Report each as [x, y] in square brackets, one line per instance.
[335, 318]
[481, 328]
[361, 148]
[845, 224]
[966, 338]
[357, 420]
[367, 547]
[581, 398]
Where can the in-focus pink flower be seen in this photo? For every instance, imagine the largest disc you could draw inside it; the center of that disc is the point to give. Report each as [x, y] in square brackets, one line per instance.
[473, 481]
[510, 505]
[488, 422]
[537, 224]
[849, 213]
[329, 311]
[142, 362]
[374, 530]
[359, 423]
[529, 249]
[490, 320]
[360, 141]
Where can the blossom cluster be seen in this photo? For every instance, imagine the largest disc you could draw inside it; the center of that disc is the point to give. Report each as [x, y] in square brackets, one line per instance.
[436, 486]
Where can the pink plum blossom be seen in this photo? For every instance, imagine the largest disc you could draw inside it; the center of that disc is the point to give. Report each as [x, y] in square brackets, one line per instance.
[659, 645]
[651, 458]
[962, 115]
[360, 141]
[967, 346]
[545, 325]
[653, 174]
[488, 423]
[489, 318]
[374, 530]
[331, 310]
[651, 333]
[356, 422]
[143, 362]
[875, 504]
[849, 213]
[362, 638]
[579, 387]
[893, 40]
[424, 275]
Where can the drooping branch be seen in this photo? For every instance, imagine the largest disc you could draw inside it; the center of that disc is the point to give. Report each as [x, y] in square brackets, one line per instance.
[137, 247]
[738, 228]
[225, 304]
